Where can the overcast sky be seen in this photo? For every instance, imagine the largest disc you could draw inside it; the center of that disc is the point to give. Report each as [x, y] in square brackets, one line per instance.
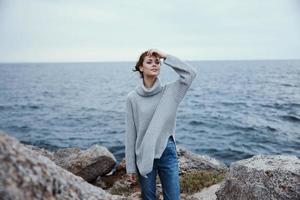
[77, 30]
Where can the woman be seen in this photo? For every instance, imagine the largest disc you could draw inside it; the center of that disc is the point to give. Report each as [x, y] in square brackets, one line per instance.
[150, 145]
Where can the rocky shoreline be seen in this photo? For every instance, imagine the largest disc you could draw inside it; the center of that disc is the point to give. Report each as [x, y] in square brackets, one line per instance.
[29, 172]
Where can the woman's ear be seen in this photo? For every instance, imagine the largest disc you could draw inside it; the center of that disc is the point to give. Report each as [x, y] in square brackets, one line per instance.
[141, 68]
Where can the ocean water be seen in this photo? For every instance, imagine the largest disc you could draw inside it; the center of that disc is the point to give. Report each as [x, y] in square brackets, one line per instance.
[233, 110]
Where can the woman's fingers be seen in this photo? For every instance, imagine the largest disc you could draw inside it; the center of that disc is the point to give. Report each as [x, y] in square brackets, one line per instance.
[132, 178]
[151, 51]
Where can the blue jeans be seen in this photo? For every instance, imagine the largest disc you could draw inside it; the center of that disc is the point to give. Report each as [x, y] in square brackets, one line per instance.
[167, 168]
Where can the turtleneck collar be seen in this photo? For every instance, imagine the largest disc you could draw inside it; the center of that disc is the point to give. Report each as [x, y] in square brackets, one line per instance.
[143, 91]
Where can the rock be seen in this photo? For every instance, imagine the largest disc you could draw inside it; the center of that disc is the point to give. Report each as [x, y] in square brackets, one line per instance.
[123, 187]
[262, 177]
[134, 196]
[88, 164]
[104, 184]
[206, 193]
[26, 174]
[189, 161]
[41, 151]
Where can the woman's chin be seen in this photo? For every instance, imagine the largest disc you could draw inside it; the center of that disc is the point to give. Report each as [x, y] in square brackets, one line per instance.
[153, 74]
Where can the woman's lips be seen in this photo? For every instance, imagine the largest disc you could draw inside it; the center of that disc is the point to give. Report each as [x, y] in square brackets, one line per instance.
[154, 70]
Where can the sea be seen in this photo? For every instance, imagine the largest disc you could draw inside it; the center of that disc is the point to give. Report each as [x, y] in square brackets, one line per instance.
[233, 109]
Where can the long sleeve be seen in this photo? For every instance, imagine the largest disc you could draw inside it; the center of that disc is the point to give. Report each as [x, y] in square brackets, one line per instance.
[130, 139]
[186, 75]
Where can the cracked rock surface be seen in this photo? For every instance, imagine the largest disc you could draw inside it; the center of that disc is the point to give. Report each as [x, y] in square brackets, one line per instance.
[26, 174]
[265, 177]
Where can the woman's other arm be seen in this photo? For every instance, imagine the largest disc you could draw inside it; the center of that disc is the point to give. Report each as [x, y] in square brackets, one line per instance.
[130, 138]
[186, 73]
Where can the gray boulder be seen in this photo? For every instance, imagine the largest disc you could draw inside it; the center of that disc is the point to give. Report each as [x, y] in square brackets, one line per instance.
[189, 161]
[88, 164]
[26, 174]
[262, 177]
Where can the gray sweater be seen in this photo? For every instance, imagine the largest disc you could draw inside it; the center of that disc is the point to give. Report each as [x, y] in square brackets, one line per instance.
[151, 117]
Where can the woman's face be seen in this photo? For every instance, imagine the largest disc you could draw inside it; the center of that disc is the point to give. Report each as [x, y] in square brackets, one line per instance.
[151, 66]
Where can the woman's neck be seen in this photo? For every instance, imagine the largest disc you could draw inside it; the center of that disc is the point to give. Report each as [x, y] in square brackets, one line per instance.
[149, 81]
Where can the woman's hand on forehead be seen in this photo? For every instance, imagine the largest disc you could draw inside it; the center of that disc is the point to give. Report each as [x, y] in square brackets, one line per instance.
[160, 54]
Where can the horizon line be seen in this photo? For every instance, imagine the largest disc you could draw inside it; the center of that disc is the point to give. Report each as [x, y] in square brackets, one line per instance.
[109, 61]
